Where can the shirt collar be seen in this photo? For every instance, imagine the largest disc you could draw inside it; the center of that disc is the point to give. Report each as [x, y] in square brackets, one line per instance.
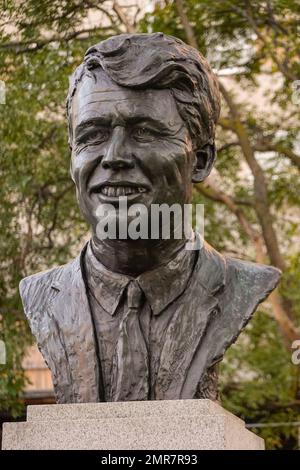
[161, 285]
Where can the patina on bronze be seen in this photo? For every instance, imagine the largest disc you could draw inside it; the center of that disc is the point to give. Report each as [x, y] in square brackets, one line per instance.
[141, 319]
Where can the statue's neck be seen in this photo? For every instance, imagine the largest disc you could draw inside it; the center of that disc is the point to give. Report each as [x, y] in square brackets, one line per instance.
[133, 257]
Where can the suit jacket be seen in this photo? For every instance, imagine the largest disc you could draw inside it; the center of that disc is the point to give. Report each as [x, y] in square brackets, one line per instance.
[220, 299]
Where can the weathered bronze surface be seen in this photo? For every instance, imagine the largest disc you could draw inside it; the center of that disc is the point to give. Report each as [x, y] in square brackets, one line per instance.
[141, 319]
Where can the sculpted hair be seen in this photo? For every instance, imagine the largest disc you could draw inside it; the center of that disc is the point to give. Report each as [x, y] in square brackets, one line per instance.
[157, 61]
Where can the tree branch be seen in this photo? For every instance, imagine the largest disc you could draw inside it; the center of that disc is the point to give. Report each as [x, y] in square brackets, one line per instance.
[32, 46]
[260, 184]
[210, 190]
[123, 18]
[247, 14]
[264, 146]
[191, 38]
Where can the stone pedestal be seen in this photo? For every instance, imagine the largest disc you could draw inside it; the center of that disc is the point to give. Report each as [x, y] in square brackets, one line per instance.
[151, 425]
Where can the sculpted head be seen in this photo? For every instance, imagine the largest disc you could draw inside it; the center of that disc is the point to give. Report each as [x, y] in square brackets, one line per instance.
[142, 111]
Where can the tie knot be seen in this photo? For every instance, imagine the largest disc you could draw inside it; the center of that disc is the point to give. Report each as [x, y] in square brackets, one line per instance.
[134, 295]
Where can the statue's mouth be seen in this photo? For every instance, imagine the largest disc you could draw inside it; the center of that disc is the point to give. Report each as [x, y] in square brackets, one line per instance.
[117, 189]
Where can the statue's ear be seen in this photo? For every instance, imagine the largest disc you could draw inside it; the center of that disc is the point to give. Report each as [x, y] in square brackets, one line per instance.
[205, 158]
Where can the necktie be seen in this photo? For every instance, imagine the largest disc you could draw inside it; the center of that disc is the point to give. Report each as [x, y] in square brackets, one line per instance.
[130, 370]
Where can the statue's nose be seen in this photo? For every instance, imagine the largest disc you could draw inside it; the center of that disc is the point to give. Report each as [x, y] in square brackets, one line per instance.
[117, 155]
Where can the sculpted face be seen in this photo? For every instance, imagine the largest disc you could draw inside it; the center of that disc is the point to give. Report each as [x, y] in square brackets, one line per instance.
[129, 143]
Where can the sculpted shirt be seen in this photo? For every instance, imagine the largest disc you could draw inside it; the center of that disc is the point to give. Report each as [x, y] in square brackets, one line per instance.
[161, 288]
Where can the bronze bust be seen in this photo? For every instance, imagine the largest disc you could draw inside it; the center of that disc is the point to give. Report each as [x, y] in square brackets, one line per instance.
[144, 318]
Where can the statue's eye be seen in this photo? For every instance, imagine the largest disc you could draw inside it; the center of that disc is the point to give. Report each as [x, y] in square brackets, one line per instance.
[97, 135]
[142, 131]
[143, 134]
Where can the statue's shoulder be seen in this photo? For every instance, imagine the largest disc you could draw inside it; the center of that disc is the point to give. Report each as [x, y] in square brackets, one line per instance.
[37, 289]
[236, 281]
[251, 278]
[238, 288]
[246, 285]
[34, 281]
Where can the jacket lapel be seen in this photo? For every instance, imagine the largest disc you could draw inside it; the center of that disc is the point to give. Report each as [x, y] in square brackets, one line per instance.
[247, 285]
[196, 310]
[71, 311]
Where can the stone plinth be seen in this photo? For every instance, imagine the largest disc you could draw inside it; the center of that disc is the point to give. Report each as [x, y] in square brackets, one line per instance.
[151, 425]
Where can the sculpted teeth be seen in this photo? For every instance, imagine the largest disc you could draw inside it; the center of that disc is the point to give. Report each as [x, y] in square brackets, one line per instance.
[116, 191]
